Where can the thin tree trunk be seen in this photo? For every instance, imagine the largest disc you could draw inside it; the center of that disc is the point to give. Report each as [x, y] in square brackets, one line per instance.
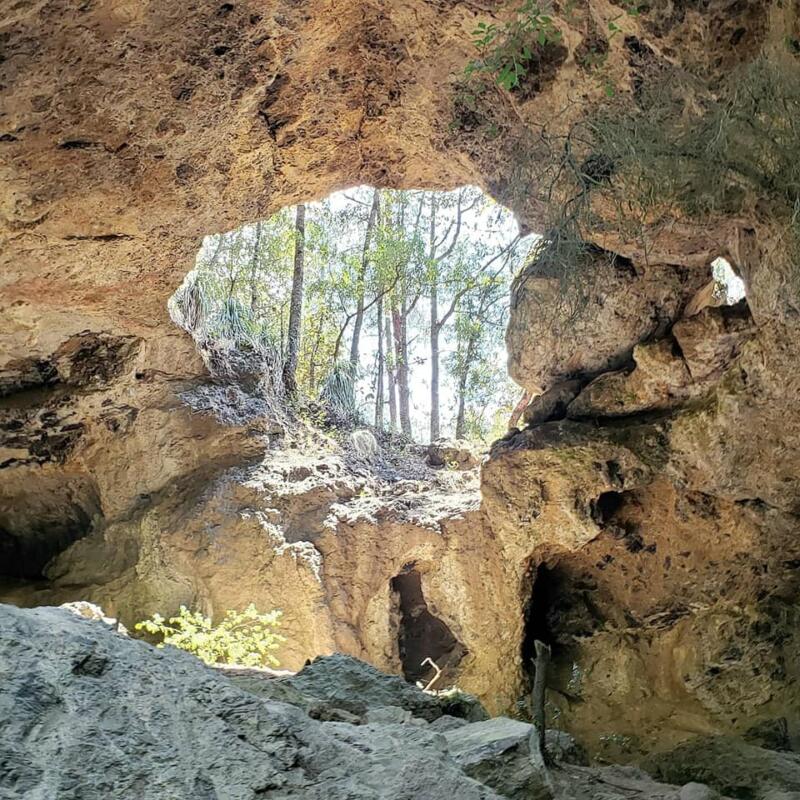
[253, 270]
[312, 367]
[390, 373]
[401, 361]
[434, 320]
[518, 409]
[296, 305]
[359, 319]
[379, 378]
[435, 431]
[461, 416]
[539, 687]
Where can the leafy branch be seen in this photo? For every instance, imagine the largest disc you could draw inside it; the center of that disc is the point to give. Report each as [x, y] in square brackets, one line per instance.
[507, 51]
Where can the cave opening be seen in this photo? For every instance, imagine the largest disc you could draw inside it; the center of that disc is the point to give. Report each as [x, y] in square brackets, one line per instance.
[48, 515]
[25, 555]
[605, 506]
[381, 306]
[729, 288]
[539, 618]
[422, 636]
[559, 609]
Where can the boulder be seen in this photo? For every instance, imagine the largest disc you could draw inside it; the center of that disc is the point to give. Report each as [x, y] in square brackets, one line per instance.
[447, 723]
[660, 380]
[343, 682]
[697, 791]
[86, 713]
[388, 715]
[609, 783]
[501, 753]
[455, 452]
[728, 765]
[563, 748]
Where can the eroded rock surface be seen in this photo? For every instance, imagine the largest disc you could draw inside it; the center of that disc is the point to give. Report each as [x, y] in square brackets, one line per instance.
[660, 544]
[646, 523]
[88, 713]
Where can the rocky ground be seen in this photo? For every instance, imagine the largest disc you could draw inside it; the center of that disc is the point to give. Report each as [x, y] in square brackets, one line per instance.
[89, 713]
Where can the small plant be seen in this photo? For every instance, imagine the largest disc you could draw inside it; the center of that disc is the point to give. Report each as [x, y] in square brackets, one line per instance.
[243, 637]
[507, 51]
[338, 392]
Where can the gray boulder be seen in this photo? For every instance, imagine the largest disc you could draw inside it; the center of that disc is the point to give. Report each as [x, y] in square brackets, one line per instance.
[343, 682]
[448, 723]
[501, 753]
[697, 791]
[609, 783]
[389, 715]
[563, 748]
[87, 714]
[731, 766]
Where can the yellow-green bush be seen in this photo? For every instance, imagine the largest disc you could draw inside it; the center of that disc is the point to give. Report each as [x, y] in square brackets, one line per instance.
[242, 637]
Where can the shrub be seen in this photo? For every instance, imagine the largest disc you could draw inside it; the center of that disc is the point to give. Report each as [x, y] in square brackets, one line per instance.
[243, 637]
[507, 52]
[338, 393]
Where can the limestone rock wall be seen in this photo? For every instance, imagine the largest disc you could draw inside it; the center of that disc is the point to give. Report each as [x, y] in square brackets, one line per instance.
[661, 532]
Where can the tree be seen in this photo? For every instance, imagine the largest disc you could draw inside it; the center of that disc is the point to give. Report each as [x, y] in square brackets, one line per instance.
[434, 276]
[296, 303]
[390, 373]
[362, 277]
[254, 270]
[407, 246]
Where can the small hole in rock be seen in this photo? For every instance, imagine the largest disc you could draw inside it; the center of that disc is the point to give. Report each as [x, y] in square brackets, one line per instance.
[605, 506]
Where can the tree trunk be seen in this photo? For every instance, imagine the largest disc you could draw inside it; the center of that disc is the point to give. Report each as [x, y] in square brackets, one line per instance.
[461, 416]
[362, 277]
[253, 271]
[518, 409]
[296, 304]
[390, 374]
[434, 321]
[401, 361]
[312, 367]
[379, 377]
[539, 687]
[434, 364]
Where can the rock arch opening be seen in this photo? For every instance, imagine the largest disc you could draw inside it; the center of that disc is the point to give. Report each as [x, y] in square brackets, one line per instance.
[422, 636]
[386, 306]
[729, 288]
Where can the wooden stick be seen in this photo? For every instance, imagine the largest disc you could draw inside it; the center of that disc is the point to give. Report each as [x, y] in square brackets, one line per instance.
[539, 686]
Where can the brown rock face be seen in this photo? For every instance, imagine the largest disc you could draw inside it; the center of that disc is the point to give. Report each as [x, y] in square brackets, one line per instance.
[645, 524]
[662, 544]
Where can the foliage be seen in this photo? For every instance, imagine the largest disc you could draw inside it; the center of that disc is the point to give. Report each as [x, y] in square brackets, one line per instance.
[508, 50]
[338, 392]
[235, 303]
[705, 152]
[679, 148]
[242, 637]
